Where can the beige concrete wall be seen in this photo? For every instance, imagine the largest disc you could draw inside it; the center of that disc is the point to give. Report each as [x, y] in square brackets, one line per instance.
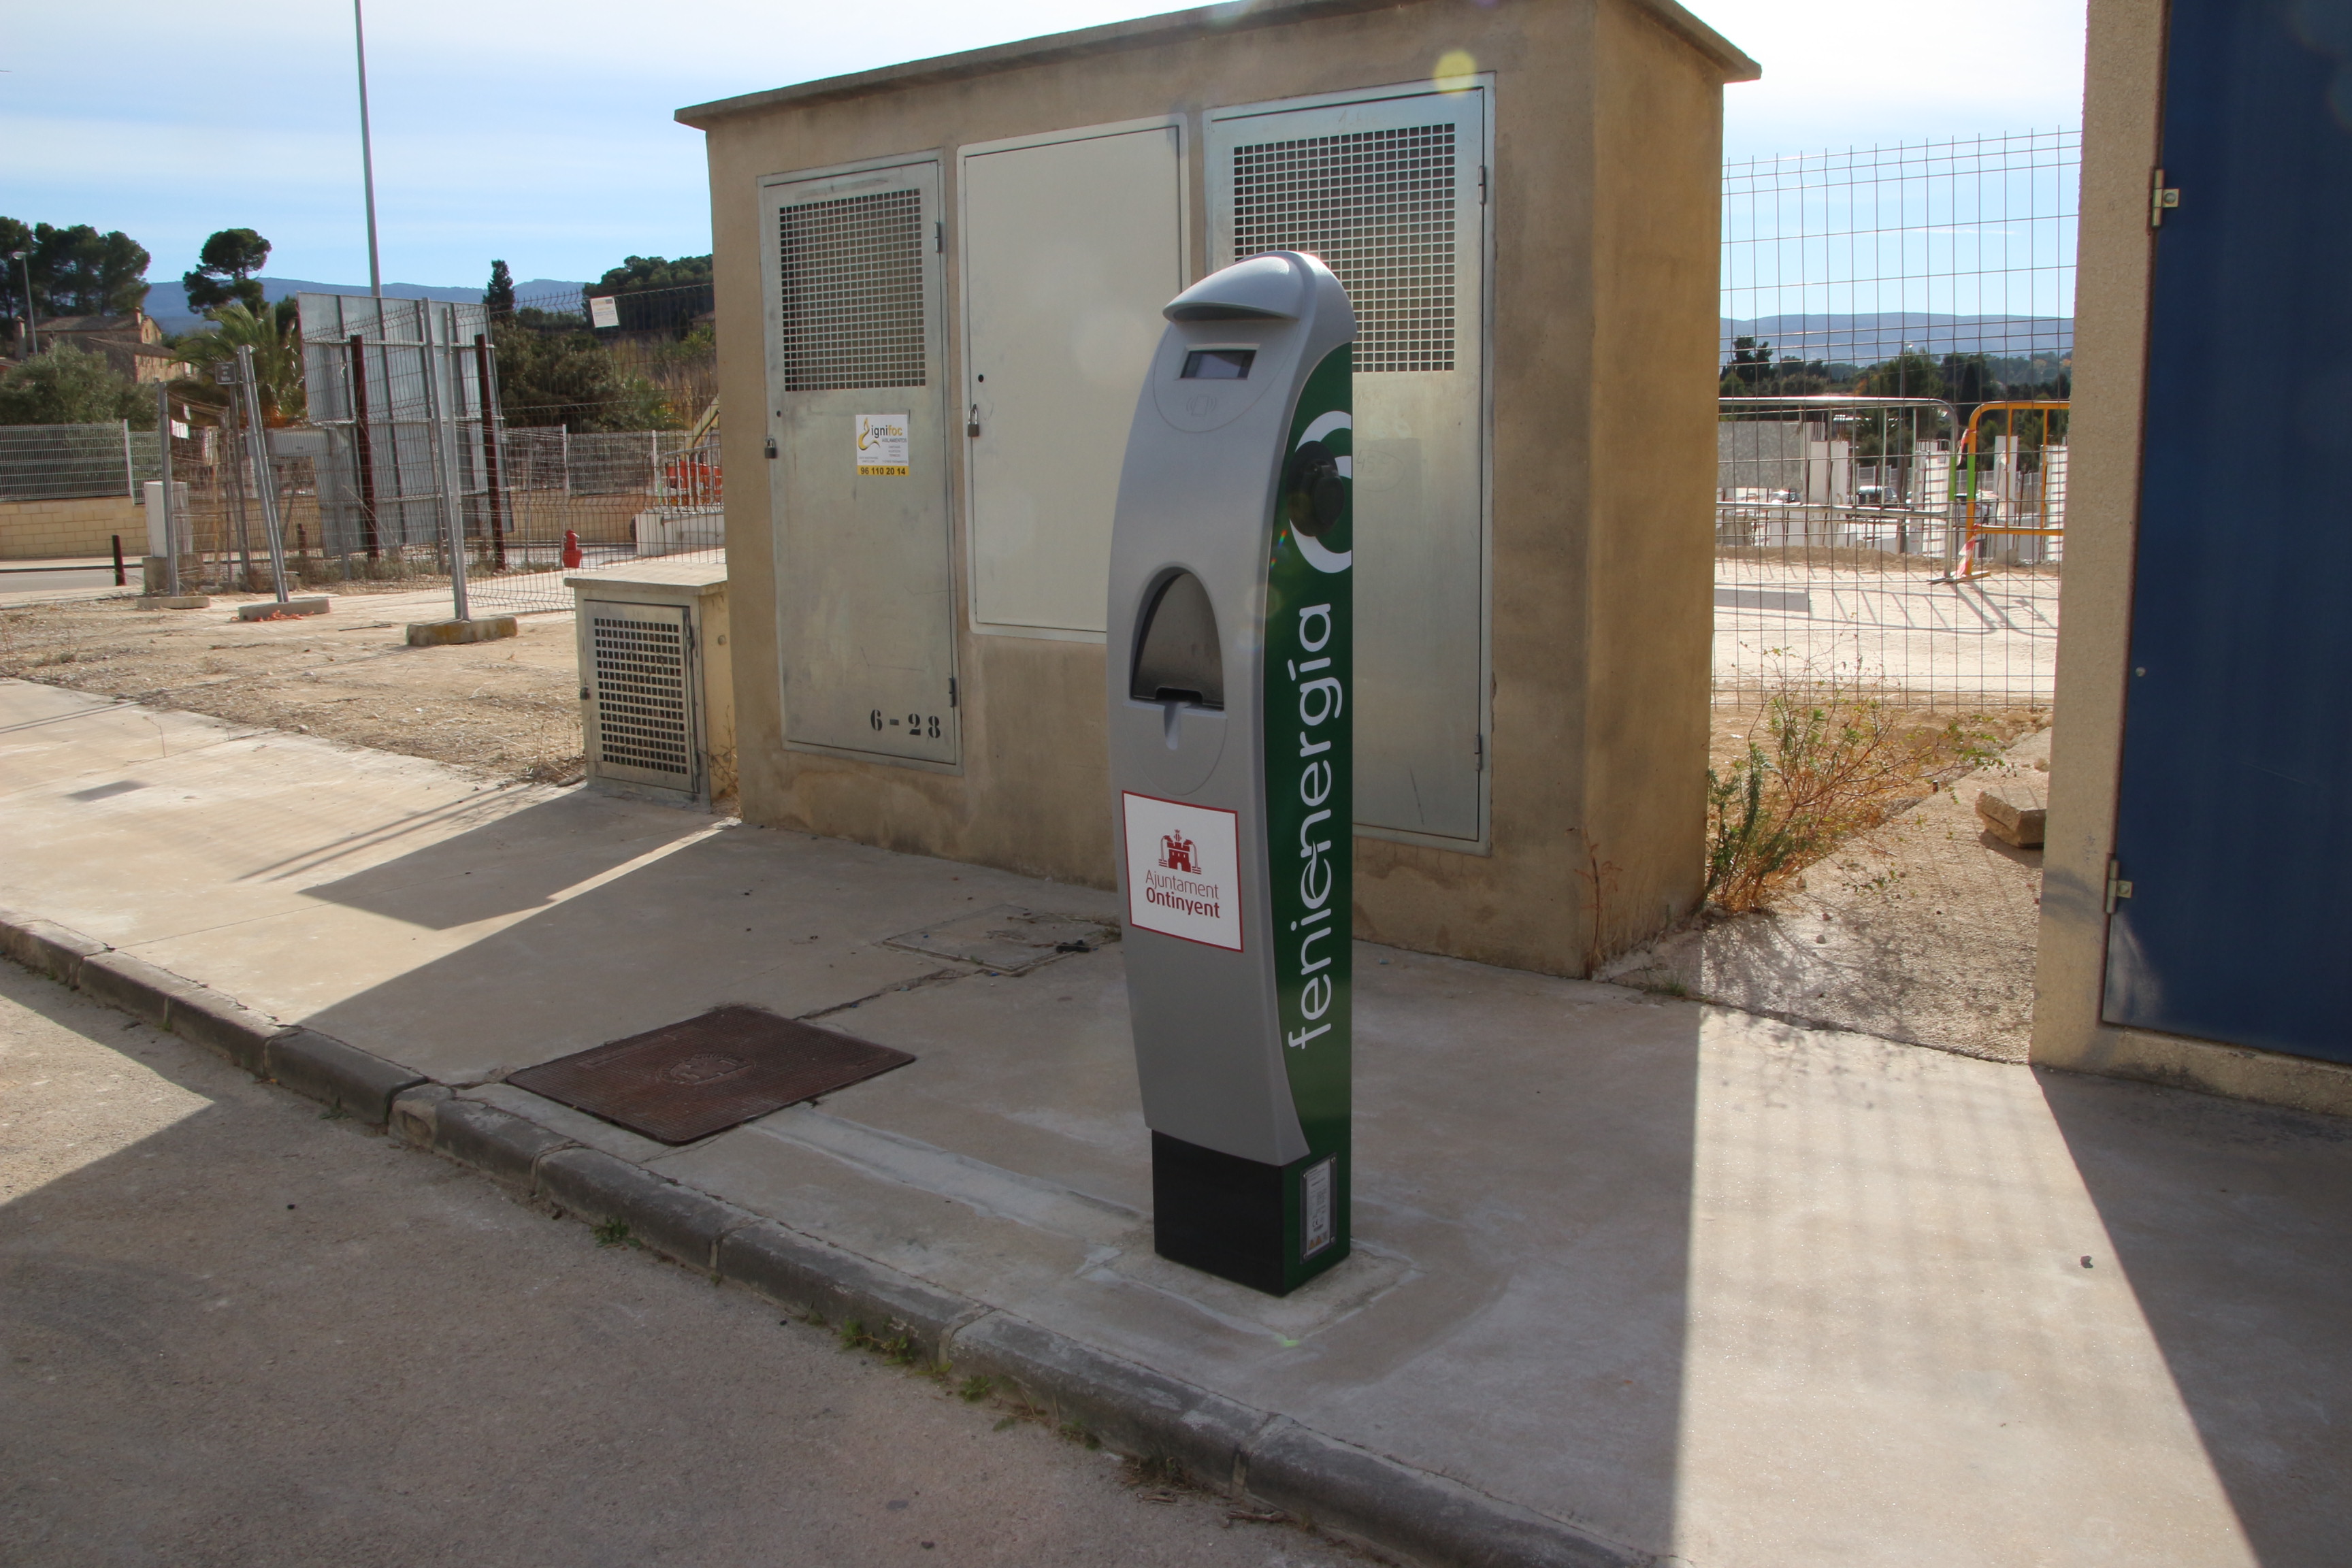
[30, 530]
[2121, 138]
[1604, 185]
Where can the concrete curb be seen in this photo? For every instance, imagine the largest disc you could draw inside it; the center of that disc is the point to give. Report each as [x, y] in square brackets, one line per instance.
[1233, 1447]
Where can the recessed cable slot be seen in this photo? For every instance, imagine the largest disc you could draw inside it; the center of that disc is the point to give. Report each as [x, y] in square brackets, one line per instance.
[1178, 662]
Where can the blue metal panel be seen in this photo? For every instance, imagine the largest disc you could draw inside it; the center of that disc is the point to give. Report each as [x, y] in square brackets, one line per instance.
[2231, 825]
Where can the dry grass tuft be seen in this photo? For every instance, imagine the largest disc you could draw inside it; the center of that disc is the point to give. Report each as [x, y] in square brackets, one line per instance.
[1829, 756]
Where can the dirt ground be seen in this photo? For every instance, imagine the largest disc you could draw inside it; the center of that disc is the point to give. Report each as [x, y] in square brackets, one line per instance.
[508, 708]
[2002, 723]
[1922, 930]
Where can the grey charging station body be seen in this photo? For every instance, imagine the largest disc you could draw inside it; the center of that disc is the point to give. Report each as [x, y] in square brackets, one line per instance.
[1230, 697]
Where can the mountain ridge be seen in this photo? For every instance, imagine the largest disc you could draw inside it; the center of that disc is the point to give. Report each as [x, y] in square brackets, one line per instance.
[167, 299]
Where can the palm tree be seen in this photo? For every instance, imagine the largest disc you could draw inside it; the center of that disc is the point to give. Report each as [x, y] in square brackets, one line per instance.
[276, 348]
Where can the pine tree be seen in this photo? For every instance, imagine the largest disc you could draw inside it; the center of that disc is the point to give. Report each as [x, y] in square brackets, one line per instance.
[500, 296]
[224, 269]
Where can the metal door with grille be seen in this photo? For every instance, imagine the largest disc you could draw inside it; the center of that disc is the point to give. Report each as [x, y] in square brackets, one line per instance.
[1389, 191]
[642, 724]
[866, 617]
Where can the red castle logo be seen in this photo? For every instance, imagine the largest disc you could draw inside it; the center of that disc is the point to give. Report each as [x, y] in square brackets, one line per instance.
[1176, 853]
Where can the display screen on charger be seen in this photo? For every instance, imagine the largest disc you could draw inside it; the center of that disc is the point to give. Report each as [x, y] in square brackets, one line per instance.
[1218, 365]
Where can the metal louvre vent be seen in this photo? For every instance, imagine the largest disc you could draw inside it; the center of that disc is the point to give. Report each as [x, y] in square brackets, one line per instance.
[641, 697]
[1378, 207]
[852, 271]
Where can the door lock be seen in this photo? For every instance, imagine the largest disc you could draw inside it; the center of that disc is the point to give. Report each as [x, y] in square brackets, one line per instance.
[971, 425]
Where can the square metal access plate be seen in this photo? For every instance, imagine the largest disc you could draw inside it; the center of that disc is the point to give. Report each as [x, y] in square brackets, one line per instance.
[690, 1079]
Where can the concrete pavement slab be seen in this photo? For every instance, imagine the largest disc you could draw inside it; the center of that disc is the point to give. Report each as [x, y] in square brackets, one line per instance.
[1688, 1280]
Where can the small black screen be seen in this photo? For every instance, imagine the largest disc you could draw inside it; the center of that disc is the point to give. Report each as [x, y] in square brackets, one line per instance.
[1218, 365]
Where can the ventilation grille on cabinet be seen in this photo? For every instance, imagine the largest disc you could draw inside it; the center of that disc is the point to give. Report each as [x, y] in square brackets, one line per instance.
[1378, 207]
[853, 292]
[641, 697]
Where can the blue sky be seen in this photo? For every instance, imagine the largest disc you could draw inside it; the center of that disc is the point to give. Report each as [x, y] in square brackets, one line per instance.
[541, 131]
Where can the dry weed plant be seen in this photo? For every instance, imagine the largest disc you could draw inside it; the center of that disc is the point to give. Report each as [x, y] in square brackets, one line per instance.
[1833, 756]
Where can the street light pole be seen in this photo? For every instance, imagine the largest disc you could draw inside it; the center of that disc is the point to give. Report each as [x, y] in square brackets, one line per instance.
[24, 258]
[367, 152]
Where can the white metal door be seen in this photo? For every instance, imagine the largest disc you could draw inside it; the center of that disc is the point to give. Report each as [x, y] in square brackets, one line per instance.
[1389, 191]
[1071, 246]
[863, 583]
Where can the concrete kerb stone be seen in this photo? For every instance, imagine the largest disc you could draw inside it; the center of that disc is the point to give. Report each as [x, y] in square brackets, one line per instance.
[1221, 1442]
[46, 947]
[322, 1067]
[1132, 1408]
[800, 1271]
[674, 1221]
[500, 1145]
[136, 987]
[221, 1024]
[1338, 1486]
[413, 1111]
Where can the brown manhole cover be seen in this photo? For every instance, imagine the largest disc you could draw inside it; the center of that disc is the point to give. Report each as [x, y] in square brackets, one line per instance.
[685, 1081]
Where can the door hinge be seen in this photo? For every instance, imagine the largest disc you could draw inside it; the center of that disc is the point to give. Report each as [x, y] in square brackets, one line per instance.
[1482, 185]
[1478, 752]
[951, 691]
[940, 236]
[2161, 199]
[2116, 887]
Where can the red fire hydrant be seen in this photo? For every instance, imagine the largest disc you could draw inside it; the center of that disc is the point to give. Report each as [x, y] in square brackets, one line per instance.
[570, 547]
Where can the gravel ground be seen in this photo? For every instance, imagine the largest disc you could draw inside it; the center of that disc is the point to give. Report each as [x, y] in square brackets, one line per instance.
[235, 1333]
[508, 708]
[1922, 931]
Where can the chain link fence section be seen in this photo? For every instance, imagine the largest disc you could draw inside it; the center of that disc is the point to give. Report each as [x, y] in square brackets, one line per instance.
[621, 494]
[1835, 263]
[74, 462]
[407, 403]
[1897, 347]
[1886, 543]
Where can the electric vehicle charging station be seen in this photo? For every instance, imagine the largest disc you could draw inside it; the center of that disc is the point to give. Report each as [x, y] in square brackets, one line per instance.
[1231, 626]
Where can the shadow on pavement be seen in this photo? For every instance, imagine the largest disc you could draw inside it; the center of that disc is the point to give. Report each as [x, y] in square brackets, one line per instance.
[2234, 1224]
[514, 861]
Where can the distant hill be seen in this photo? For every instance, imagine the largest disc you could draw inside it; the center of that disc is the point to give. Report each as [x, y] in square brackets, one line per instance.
[167, 301]
[1867, 339]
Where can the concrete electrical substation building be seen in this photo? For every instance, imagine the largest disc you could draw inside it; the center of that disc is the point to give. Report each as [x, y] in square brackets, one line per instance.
[940, 283]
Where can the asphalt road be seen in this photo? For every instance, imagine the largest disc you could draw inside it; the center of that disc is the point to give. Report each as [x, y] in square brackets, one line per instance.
[236, 1332]
[20, 584]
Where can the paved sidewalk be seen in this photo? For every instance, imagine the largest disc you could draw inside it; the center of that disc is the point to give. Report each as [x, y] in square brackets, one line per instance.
[1674, 1278]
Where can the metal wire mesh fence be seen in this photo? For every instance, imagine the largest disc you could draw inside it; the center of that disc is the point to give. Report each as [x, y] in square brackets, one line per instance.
[408, 400]
[1897, 345]
[617, 494]
[71, 462]
[1887, 541]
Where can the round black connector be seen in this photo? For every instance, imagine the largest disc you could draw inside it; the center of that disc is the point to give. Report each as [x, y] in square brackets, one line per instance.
[1314, 494]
